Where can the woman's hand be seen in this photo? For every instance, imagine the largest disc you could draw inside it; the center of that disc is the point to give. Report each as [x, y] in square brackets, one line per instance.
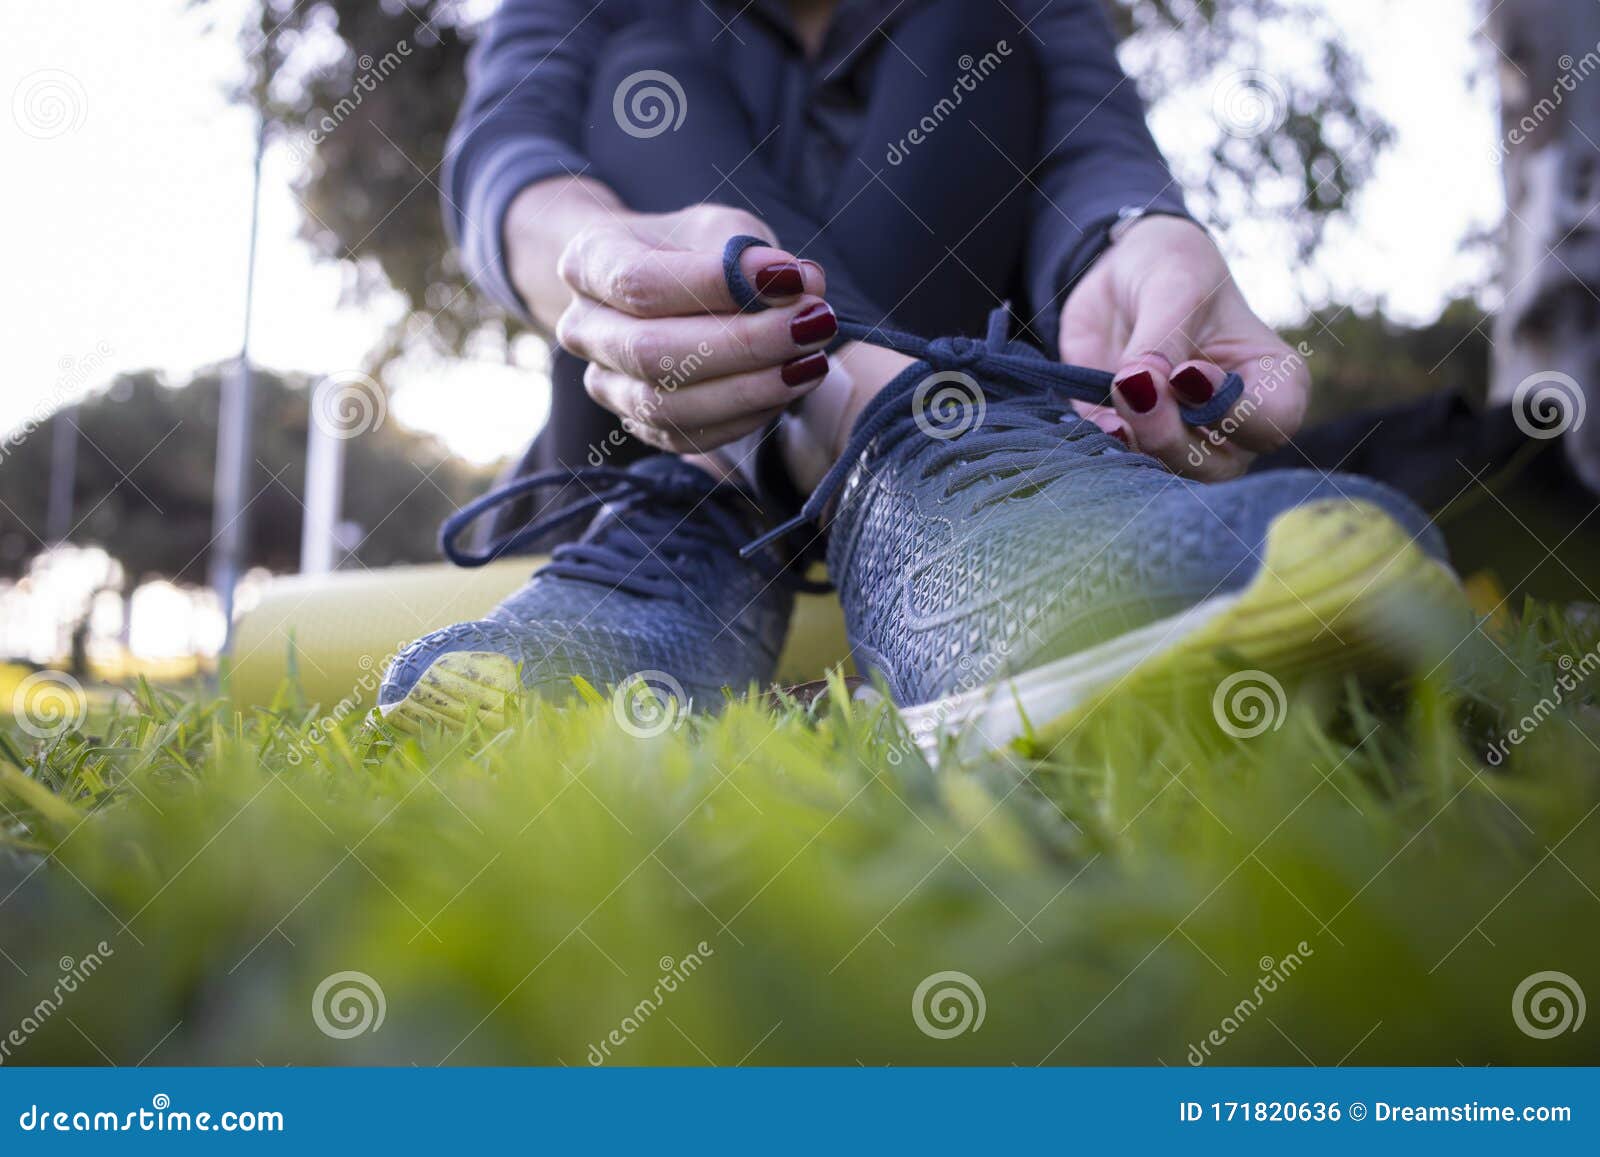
[668, 351]
[1161, 307]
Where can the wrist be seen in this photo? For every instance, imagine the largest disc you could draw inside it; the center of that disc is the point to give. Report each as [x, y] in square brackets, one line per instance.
[539, 223]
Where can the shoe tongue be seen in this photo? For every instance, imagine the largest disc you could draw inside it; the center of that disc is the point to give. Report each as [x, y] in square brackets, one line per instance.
[691, 482]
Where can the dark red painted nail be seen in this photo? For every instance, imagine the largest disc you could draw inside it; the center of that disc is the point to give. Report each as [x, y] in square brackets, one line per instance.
[1122, 435]
[1193, 386]
[811, 368]
[781, 279]
[1140, 391]
[816, 324]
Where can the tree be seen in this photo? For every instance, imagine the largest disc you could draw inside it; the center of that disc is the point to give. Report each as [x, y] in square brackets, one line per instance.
[144, 468]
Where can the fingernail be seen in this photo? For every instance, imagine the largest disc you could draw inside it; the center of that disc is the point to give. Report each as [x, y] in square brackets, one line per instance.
[1140, 391]
[1193, 385]
[1122, 435]
[810, 368]
[816, 324]
[781, 279]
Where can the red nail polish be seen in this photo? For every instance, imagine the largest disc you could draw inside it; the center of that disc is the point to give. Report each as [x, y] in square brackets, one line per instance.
[811, 368]
[1140, 391]
[781, 279]
[1122, 435]
[1193, 386]
[816, 324]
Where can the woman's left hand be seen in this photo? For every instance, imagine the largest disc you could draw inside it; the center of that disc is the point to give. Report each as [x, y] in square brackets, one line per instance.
[1162, 311]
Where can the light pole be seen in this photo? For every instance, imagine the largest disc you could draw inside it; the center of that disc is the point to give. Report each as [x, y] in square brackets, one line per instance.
[229, 508]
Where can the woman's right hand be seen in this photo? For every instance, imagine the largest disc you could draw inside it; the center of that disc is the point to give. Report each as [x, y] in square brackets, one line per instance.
[668, 351]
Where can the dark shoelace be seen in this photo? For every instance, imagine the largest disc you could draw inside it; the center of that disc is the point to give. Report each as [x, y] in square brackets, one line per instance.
[657, 521]
[1012, 368]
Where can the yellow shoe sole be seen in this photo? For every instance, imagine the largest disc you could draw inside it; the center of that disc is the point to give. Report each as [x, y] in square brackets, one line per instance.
[456, 690]
[1341, 587]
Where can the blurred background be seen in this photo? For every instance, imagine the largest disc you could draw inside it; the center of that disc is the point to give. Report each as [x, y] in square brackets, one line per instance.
[224, 210]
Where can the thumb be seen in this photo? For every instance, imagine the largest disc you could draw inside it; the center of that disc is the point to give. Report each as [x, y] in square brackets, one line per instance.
[1159, 339]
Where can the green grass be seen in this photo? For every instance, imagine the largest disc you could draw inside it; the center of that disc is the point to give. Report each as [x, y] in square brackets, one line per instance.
[516, 896]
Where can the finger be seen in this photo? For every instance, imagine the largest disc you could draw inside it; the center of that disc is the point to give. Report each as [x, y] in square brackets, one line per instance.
[1212, 458]
[702, 439]
[1107, 418]
[1269, 412]
[679, 351]
[646, 280]
[706, 404]
[1147, 405]
[1141, 387]
[638, 405]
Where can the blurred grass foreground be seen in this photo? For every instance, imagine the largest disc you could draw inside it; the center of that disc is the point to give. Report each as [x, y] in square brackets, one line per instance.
[1379, 877]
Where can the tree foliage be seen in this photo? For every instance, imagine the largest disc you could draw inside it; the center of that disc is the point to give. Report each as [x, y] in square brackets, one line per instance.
[146, 453]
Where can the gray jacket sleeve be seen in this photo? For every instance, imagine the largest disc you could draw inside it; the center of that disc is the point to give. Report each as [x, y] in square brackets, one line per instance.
[521, 122]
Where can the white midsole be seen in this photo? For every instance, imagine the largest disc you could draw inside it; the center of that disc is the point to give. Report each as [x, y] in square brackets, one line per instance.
[988, 718]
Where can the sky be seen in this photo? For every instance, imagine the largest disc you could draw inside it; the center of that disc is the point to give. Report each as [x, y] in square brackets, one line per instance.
[127, 198]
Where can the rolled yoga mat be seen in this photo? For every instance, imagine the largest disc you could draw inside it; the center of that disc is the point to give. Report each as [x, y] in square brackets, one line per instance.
[337, 632]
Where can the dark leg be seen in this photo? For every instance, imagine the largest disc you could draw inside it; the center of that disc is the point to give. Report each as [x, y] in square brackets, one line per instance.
[936, 226]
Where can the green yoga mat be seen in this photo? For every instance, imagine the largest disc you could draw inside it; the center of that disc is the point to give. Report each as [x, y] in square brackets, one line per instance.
[338, 631]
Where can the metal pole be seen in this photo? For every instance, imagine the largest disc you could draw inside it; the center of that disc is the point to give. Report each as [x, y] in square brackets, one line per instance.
[233, 432]
[63, 473]
[319, 529]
